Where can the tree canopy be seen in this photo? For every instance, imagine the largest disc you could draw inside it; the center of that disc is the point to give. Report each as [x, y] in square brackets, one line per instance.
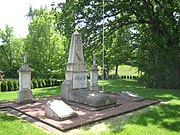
[155, 37]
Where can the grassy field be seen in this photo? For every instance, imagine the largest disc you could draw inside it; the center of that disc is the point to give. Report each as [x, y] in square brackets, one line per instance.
[126, 70]
[37, 93]
[11, 125]
[162, 119]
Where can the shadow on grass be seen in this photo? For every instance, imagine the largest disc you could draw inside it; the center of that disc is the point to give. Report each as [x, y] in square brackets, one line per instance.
[120, 85]
[46, 92]
[164, 116]
[6, 117]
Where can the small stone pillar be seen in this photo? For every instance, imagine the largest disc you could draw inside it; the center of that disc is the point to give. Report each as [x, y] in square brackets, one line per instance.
[94, 76]
[24, 94]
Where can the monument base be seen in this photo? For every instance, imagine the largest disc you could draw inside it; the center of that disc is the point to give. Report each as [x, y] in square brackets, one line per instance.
[92, 98]
[24, 96]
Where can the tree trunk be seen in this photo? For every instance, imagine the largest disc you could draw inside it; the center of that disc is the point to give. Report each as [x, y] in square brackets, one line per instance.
[116, 72]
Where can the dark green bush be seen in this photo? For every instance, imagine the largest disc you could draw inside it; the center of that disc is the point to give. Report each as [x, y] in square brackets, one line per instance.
[4, 86]
[35, 83]
[40, 83]
[47, 83]
[10, 85]
[50, 82]
[0, 85]
[53, 82]
[15, 84]
[43, 82]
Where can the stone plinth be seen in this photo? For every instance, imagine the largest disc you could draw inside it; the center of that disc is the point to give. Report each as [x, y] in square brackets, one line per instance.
[94, 78]
[24, 94]
[58, 110]
[92, 98]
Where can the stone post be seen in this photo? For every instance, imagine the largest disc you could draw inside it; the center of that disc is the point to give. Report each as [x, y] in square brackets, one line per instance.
[24, 94]
[94, 76]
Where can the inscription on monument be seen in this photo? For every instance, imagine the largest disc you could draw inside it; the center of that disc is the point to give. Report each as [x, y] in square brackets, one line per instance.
[26, 81]
[79, 80]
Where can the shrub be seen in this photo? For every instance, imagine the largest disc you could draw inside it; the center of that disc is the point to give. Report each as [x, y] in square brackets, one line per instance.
[50, 82]
[4, 86]
[0, 85]
[40, 83]
[43, 82]
[35, 83]
[47, 83]
[15, 84]
[10, 85]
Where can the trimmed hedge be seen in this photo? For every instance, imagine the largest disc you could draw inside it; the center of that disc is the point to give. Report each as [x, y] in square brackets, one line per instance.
[13, 85]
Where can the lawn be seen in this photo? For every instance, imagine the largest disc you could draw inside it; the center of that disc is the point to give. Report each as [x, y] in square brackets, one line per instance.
[162, 119]
[11, 125]
[37, 93]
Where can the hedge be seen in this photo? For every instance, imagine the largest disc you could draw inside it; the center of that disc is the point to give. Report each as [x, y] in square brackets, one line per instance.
[12, 85]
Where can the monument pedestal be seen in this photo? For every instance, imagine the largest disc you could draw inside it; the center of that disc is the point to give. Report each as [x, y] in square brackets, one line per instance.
[75, 88]
[94, 78]
[24, 94]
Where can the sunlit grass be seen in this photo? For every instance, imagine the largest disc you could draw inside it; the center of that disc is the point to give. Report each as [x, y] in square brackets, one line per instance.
[37, 93]
[11, 125]
[162, 119]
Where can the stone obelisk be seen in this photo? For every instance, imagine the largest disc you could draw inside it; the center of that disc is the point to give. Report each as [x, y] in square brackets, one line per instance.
[76, 76]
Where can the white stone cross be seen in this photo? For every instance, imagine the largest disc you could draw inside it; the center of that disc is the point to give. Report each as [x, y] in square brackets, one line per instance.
[94, 60]
[25, 56]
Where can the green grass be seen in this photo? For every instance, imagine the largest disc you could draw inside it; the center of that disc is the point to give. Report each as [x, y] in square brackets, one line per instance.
[37, 93]
[11, 125]
[126, 70]
[162, 119]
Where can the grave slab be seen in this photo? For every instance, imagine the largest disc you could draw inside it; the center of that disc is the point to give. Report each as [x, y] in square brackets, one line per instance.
[127, 95]
[58, 110]
[92, 98]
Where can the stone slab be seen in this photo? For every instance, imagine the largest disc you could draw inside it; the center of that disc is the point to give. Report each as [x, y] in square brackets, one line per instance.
[58, 110]
[127, 95]
[92, 98]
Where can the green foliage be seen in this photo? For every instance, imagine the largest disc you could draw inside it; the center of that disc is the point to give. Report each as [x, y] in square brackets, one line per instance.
[0, 85]
[10, 49]
[15, 84]
[35, 83]
[4, 86]
[39, 81]
[45, 45]
[10, 85]
[145, 33]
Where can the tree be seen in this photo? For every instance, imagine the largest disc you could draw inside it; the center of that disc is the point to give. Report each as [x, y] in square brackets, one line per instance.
[10, 52]
[45, 46]
[156, 23]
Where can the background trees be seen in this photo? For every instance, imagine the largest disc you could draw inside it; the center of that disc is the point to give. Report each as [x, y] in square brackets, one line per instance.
[143, 33]
[45, 45]
[10, 50]
[156, 33]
